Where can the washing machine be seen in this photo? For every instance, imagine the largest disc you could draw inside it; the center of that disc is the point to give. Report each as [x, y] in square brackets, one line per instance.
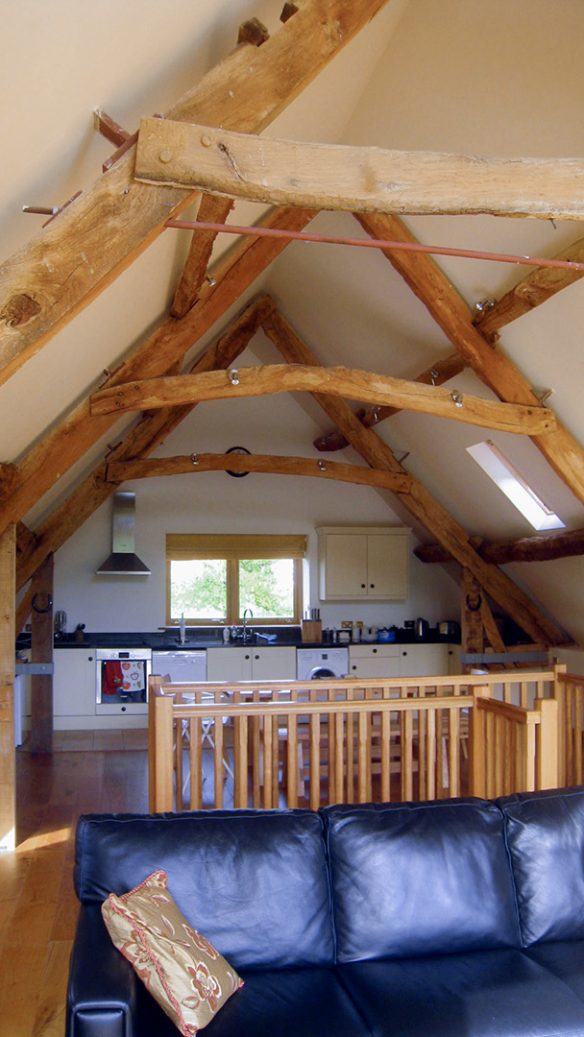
[312, 663]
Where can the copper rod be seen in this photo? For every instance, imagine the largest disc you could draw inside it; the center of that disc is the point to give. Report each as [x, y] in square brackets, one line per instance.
[391, 246]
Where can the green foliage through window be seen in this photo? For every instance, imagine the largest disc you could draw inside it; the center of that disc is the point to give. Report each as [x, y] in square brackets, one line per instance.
[198, 589]
[266, 586]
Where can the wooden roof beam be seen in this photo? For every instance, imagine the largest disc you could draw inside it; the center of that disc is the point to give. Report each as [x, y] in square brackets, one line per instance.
[90, 243]
[65, 444]
[418, 501]
[446, 306]
[349, 383]
[211, 209]
[316, 468]
[441, 371]
[527, 549]
[364, 179]
[534, 289]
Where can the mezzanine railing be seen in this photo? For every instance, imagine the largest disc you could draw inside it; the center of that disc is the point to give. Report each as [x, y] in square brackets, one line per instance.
[309, 743]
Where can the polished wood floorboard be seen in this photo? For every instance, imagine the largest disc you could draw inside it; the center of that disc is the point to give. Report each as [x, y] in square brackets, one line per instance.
[38, 906]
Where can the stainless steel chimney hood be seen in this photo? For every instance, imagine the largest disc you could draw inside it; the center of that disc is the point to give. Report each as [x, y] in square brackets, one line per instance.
[123, 561]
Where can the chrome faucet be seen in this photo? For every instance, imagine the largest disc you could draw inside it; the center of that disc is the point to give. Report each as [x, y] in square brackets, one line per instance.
[246, 612]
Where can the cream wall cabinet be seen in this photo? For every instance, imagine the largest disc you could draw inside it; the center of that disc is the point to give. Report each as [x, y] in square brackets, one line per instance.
[363, 563]
[251, 663]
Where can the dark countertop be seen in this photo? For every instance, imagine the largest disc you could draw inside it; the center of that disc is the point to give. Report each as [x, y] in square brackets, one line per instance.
[166, 640]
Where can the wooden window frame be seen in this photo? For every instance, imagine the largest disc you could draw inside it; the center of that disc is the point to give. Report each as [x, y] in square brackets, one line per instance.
[234, 548]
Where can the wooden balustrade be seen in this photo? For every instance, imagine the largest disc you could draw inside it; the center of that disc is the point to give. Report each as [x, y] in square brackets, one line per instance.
[514, 749]
[570, 696]
[315, 742]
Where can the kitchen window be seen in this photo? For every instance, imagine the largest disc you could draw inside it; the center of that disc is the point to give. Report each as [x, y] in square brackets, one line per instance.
[214, 578]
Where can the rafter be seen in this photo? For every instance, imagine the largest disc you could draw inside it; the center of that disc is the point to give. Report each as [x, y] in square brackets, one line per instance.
[534, 289]
[91, 242]
[441, 371]
[447, 307]
[316, 468]
[212, 210]
[540, 548]
[350, 383]
[418, 501]
[364, 179]
[65, 444]
[143, 438]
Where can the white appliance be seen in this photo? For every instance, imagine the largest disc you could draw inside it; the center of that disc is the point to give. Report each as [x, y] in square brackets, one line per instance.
[183, 667]
[312, 663]
[122, 680]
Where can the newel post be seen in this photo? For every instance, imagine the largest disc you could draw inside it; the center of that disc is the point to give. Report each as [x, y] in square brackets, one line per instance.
[160, 746]
[547, 762]
[478, 748]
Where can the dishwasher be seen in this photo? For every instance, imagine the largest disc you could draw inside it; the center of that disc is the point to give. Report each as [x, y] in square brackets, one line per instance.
[189, 667]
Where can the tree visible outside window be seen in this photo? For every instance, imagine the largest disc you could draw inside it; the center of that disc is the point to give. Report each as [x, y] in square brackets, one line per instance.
[225, 575]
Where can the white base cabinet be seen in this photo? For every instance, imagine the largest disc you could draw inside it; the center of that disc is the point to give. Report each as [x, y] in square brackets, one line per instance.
[251, 663]
[74, 686]
[399, 660]
[373, 661]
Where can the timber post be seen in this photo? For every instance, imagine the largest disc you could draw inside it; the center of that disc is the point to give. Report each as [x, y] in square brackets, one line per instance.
[7, 677]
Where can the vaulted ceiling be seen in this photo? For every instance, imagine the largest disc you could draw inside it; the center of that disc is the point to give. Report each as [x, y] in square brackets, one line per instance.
[103, 284]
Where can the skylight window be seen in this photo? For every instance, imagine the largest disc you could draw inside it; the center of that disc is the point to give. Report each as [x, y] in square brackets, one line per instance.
[514, 486]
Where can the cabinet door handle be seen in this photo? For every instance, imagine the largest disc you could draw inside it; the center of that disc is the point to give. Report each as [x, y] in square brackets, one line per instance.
[248, 657]
[353, 667]
[372, 586]
[374, 651]
[89, 658]
[404, 653]
[256, 656]
[363, 586]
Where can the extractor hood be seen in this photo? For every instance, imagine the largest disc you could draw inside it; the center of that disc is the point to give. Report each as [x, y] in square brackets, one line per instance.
[123, 560]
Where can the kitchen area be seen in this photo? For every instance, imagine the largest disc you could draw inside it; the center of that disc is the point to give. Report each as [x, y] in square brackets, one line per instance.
[100, 678]
[363, 592]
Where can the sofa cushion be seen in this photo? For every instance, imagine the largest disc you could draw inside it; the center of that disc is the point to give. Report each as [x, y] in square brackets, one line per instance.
[419, 878]
[485, 994]
[185, 974]
[565, 959]
[286, 1003]
[545, 832]
[254, 882]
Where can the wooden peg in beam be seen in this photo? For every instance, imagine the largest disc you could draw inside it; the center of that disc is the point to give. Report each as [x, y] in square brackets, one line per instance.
[109, 128]
[287, 11]
[253, 31]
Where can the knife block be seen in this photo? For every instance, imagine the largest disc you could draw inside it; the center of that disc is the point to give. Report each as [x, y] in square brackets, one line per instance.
[311, 630]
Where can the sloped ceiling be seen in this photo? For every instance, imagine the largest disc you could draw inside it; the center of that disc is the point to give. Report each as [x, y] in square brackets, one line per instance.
[449, 76]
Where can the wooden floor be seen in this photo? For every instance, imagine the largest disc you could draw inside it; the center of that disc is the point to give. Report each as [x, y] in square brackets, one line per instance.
[38, 907]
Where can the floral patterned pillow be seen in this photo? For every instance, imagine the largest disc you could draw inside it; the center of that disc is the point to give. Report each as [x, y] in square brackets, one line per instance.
[181, 969]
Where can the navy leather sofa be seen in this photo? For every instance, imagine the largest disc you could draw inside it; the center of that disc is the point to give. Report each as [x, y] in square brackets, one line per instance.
[449, 919]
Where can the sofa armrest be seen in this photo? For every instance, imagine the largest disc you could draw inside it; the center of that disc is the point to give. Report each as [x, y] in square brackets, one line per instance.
[102, 991]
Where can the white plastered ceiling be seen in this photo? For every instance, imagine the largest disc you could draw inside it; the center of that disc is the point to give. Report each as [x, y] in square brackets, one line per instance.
[452, 75]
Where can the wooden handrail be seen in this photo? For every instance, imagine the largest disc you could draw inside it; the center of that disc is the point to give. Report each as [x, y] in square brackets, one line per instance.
[281, 743]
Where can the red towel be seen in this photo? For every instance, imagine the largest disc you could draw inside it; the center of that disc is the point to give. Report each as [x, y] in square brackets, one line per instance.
[111, 677]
